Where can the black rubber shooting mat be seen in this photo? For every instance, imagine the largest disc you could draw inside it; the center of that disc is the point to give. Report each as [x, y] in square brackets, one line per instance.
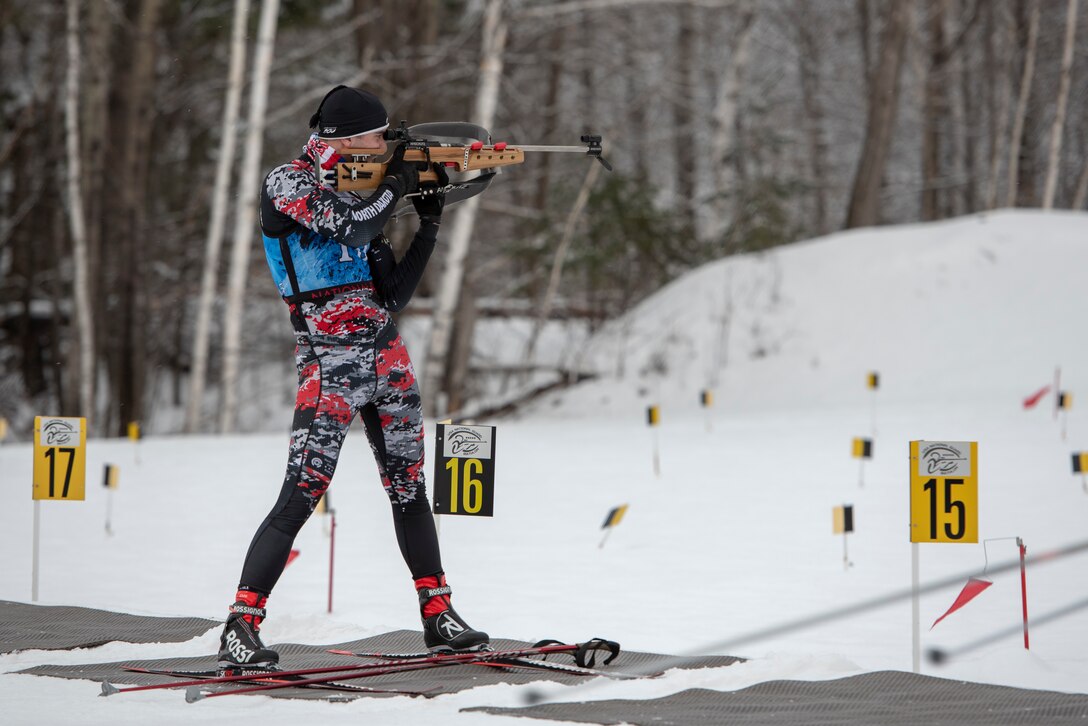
[38, 627]
[433, 681]
[889, 698]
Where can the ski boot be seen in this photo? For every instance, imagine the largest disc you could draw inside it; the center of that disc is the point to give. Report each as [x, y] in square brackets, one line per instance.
[240, 648]
[444, 630]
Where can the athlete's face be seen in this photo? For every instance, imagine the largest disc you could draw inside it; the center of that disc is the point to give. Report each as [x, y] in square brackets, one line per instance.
[374, 143]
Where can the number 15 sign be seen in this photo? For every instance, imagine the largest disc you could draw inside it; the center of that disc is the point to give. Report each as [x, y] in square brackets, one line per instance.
[464, 470]
[943, 491]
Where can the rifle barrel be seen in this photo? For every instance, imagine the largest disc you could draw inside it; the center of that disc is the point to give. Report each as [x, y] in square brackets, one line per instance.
[568, 149]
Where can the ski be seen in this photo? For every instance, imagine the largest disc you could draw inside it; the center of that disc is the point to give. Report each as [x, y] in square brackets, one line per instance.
[585, 654]
[259, 677]
[195, 693]
[493, 658]
[286, 678]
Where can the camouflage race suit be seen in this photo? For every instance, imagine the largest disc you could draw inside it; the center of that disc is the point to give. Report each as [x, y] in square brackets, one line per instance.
[341, 281]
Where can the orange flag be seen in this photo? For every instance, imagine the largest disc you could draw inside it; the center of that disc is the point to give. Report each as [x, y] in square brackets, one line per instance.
[972, 589]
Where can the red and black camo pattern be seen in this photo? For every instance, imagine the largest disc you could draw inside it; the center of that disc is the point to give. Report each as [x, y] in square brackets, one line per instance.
[301, 191]
[353, 356]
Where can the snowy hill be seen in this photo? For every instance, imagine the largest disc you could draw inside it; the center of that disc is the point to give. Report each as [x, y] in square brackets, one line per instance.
[962, 319]
[957, 311]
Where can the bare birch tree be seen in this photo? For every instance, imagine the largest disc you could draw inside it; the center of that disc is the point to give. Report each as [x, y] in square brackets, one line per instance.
[214, 241]
[725, 118]
[492, 45]
[1054, 163]
[245, 215]
[76, 221]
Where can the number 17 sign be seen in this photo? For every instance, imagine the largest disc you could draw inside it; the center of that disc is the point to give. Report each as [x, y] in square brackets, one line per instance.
[464, 470]
[60, 458]
[943, 491]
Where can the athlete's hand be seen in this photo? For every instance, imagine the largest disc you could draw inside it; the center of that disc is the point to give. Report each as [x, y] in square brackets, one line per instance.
[405, 173]
[432, 196]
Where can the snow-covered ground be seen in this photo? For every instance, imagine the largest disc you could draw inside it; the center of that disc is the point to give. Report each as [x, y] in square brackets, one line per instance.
[962, 319]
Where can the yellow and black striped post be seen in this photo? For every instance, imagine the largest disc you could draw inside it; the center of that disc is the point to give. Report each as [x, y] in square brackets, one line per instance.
[615, 516]
[1064, 402]
[842, 522]
[111, 477]
[653, 418]
[862, 450]
[706, 400]
[134, 435]
[1080, 466]
[872, 381]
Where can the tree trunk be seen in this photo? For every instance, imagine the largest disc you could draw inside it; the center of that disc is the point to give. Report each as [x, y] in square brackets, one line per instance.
[965, 121]
[493, 44]
[77, 223]
[725, 122]
[1000, 96]
[130, 371]
[934, 111]
[1054, 163]
[461, 351]
[864, 207]
[808, 68]
[684, 129]
[865, 36]
[214, 242]
[1082, 187]
[245, 215]
[95, 142]
[1016, 140]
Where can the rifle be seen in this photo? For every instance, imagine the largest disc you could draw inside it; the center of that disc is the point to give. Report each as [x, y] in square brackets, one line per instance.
[460, 147]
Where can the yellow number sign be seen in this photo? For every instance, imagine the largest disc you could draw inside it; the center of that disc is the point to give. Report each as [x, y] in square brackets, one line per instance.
[60, 458]
[943, 491]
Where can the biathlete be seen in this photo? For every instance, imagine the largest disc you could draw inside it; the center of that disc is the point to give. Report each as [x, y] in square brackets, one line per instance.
[341, 282]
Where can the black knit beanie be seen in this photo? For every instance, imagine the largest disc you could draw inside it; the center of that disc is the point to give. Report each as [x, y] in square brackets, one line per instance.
[348, 112]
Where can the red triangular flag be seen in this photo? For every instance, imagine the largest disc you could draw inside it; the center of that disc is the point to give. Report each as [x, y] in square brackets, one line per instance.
[973, 587]
[292, 555]
[1034, 398]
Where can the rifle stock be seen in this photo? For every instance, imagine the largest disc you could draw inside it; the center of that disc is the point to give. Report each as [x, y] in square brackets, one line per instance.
[354, 176]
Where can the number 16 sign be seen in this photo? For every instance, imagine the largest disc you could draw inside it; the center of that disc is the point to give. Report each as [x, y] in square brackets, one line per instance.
[943, 491]
[464, 470]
